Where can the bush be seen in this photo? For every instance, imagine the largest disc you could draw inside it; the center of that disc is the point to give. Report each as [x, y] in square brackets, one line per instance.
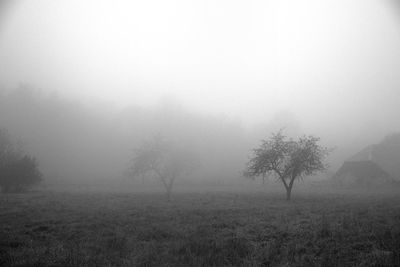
[18, 175]
[18, 172]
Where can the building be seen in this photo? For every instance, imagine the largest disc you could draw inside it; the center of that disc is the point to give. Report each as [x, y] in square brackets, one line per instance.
[375, 165]
[364, 174]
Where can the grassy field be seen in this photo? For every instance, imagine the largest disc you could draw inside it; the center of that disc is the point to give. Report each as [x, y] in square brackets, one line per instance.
[199, 229]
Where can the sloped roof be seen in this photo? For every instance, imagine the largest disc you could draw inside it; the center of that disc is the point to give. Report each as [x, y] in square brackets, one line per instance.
[361, 174]
[362, 169]
[367, 154]
[386, 154]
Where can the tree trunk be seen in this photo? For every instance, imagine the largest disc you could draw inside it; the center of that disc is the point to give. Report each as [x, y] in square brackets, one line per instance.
[169, 188]
[288, 193]
[289, 188]
[168, 195]
[168, 183]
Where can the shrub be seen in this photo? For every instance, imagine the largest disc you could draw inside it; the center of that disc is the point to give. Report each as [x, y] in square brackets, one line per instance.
[18, 172]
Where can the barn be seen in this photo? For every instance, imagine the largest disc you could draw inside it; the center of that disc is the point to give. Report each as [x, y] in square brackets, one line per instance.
[375, 165]
[386, 154]
[364, 174]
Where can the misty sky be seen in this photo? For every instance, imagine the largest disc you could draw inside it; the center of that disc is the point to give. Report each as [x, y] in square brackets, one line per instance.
[335, 64]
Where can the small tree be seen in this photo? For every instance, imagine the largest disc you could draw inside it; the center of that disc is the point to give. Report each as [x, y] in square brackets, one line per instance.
[18, 172]
[162, 160]
[286, 159]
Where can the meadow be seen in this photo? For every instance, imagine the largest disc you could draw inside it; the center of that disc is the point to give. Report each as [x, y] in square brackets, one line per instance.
[208, 228]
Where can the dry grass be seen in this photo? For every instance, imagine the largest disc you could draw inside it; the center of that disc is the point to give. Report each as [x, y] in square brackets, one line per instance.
[208, 229]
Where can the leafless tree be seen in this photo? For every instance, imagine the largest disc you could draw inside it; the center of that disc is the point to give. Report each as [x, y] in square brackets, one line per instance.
[164, 160]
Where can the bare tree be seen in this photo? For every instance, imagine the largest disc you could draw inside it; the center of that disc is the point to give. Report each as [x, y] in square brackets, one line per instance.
[286, 159]
[163, 160]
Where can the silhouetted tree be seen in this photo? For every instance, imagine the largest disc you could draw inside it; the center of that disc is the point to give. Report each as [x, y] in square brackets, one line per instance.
[287, 159]
[18, 172]
[163, 160]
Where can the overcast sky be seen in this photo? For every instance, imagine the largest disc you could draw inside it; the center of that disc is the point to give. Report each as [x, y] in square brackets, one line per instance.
[335, 64]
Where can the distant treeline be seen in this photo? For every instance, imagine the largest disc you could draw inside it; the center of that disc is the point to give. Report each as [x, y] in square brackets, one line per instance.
[77, 141]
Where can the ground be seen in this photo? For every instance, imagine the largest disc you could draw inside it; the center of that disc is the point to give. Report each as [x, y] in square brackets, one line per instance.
[199, 229]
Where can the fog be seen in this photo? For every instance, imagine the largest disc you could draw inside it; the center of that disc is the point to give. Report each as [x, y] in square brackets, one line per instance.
[83, 83]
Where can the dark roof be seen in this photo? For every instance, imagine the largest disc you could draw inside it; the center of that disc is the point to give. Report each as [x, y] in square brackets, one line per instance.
[362, 169]
[386, 154]
[367, 154]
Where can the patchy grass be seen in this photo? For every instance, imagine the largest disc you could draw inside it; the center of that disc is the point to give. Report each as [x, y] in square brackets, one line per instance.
[208, 229]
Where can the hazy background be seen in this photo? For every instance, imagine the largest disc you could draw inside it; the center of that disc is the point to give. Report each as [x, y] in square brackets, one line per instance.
[84, 82]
